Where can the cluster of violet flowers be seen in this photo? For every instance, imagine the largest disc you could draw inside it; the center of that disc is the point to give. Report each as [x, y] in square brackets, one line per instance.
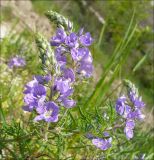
[16, 61]
[130, 108]
[46, 94]
[74, 45]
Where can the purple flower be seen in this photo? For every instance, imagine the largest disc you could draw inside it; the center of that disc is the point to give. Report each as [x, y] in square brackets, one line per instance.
[83, 56]
[35, 95]
[102, 144]
[17, 61]
[60, 57]
[87, 58]
[85, 69]
[66, 94]
[120, 103]
[68, 103]
[127, 111]
[137, 114]
[78, 54]
[61, 85]
[43, 79]
[59, 38]
[69, 74]
[130, 124]
[49, 113]
[29, 86]
[72, 40]
[32, 102]
[39, 90]
[28, 108]
[86, 40]
[129, 132]
[106, 134]
[136, 100]
[139, 103]
[35, 88]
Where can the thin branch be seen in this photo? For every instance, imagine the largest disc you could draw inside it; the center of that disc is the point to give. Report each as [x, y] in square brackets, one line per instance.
[93, 11]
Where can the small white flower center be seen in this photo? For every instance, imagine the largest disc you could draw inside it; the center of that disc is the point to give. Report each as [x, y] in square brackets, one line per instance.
[83, 72]
[99, 144]
[47, 114]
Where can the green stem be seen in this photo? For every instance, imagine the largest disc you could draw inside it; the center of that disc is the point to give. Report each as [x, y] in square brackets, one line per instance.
[81, 113]
[46, 132]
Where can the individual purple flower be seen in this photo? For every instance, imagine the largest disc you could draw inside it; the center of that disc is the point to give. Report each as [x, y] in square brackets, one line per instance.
[102, 144]
[69, 74]
[106, 134]
[17, 61]
[49, 113]
[58, 38]
[129, 132]
[136, 114]
[130, 124]
[86, 40]
[39, 90]
[139, 103]
[68, 103]
[60, 57]
[85, 69]
[72, 40]
[136, 100]
[32, 102]
[35, 95]
[120, 105]
[35, 88]
[66, 94]
[78, 53]
[43, 79]
[62, 85]
[29, 86]
[87, 58]
[127, 111]
[139, 114]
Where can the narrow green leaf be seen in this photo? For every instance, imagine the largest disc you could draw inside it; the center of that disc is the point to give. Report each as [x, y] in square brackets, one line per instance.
[141, 61]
